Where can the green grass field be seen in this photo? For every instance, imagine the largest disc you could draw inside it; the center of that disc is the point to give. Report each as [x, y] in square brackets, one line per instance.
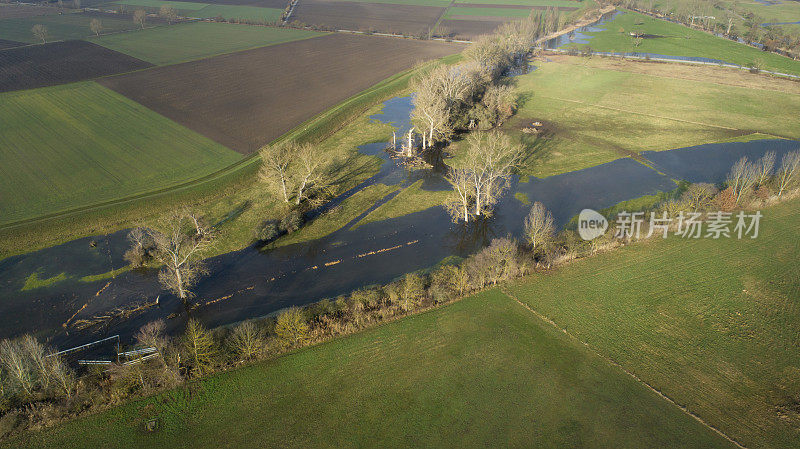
[493, 12]
[606, 114]
[714, 324]
[59, 27]
[678, 40]
[178, 6]
[483, 372]
[189, 41]
[207, 10]
[68, 146]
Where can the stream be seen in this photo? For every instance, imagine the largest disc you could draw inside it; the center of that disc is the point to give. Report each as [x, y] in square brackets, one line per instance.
[253, 283]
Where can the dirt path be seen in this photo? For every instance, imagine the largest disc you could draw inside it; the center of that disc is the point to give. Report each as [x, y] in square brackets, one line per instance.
[617, 365]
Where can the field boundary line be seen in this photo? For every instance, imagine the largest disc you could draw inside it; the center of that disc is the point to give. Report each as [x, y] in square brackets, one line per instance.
[640, 113]
[621, 368]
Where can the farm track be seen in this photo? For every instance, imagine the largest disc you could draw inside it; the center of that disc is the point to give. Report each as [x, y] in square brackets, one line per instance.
[611, 362]
[248, 99]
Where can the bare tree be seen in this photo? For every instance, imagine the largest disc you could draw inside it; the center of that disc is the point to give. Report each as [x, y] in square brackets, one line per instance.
[139, 17]
[458, 205]
[500, 103]
[275, 169]
[440, 94]
[17, 366]
[96, 26]
[413, 290]
[168, 13]
[491, 159]
[199, 347]
[178, 246]
[789, 172]
[151, 335]
[246, 341]
[765, 167]
[699, 196]
[63, 377]
[742, 177]
[294, 170]
[40, 32]
[539, 228]
[37, 358]
[310, 171]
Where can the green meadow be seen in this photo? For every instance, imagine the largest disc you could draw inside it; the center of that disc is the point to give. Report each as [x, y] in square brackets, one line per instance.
[207, 10]
[59, 27]
[678, 40]
[189, 41]
[69, 146]
[713, 324]
[607, 114]
[483, 372]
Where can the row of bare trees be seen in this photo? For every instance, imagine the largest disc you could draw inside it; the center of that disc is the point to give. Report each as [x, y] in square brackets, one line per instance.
[29, 370]
[745, 176]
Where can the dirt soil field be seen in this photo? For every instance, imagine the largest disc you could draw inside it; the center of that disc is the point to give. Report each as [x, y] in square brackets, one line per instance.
[9, 44]
[280, 4]
[402, 19]
[247, 99]
[470, 29]
[19, 11]
[61, 62]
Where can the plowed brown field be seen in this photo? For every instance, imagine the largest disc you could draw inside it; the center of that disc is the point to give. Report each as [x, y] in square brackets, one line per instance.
[247, 99]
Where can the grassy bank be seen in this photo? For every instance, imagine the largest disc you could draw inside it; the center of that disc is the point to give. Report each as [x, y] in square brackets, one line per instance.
[483, 371]
[714, 324]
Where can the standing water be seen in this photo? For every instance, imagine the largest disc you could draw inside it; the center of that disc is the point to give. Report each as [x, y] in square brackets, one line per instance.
[47, 292]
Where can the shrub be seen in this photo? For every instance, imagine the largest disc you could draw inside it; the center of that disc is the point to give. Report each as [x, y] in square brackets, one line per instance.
[291, 327]
[292, 221]
[725, 200]
[246, 341]
[268, 231]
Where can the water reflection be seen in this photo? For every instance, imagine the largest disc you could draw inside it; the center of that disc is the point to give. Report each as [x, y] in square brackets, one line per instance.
[251, 283]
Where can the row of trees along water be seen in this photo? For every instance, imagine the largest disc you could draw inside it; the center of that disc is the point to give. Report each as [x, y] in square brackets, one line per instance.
[38, 388]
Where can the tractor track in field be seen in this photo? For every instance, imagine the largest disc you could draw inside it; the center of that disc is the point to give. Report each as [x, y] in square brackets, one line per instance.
[611, 362]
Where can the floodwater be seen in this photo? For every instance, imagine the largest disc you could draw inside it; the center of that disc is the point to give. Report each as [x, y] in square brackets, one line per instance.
[251, 282]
